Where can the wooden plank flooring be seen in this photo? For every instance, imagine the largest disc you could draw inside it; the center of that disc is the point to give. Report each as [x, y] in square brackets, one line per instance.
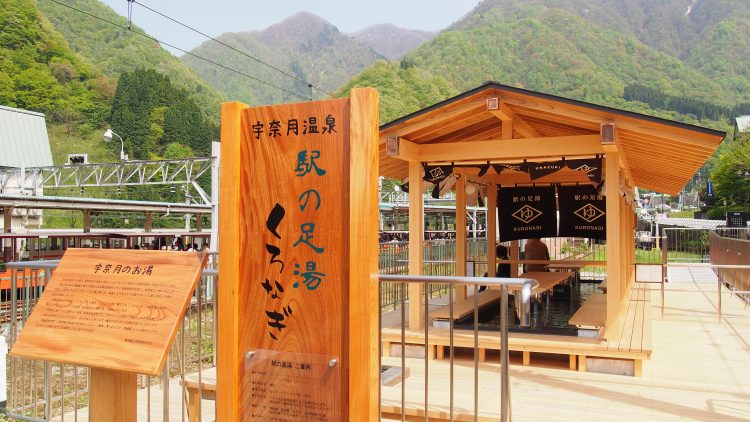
[698, 371]
[151, 403]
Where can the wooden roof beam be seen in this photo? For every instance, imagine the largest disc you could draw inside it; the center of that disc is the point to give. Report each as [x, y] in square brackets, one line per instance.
[434, 118]
[615, 146]
[517, 123]
[673, 134]
[406, 150]
[498, 149]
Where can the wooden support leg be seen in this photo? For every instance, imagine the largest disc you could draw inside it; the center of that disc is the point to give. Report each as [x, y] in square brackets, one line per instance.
[582, 363]
[638, 368]
[526, 358]
[112, 396]
[482, 355]
[193, 406]
[440, 352]
[572, 362]
[386, 349]
[431, 351]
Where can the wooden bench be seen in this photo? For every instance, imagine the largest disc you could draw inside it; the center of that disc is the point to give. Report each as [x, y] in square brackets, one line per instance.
[206, 386]
[592, 314]
[462, 308]
[547, 280]
[465, 307]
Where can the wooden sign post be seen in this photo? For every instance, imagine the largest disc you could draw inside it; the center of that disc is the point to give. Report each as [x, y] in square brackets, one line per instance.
[298, 323]
[116, 311]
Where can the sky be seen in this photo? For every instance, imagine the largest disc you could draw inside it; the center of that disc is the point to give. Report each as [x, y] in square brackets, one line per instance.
[215, 17]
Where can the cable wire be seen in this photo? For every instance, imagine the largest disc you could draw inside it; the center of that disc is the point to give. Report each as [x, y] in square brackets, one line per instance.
[309, 85]
[181, 50]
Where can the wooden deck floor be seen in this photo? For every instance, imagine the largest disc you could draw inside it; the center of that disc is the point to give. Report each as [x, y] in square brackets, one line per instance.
[151, 403]
[698, 371]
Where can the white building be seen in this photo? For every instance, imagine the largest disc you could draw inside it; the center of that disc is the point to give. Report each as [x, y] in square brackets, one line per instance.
[741, 125]
[23, 143]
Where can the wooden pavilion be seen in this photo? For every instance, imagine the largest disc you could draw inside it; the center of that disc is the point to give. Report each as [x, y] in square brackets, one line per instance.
[495, 123]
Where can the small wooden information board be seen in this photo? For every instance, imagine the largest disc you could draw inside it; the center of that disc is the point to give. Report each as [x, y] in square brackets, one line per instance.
[298, 246]
[117, 311]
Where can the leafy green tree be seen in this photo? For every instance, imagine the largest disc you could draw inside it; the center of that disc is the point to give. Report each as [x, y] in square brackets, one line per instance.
[176, 150]
[183, 123]
[731, 175]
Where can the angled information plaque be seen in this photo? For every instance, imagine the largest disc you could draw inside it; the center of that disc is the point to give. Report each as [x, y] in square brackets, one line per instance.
[287, 387]
[112, 309]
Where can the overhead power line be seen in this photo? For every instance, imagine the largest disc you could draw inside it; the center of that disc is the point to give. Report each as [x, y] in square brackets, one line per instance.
[239, 72]
[308, 84]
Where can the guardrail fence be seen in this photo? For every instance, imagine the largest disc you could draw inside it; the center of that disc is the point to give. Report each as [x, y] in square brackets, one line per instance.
[408, 407]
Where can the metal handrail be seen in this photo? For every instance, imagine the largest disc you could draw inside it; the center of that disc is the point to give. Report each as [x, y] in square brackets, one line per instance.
[49, 264]
[718, 279]
[524, 285]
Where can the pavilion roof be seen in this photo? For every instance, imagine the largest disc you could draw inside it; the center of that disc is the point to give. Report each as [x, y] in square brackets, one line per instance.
[657, 154]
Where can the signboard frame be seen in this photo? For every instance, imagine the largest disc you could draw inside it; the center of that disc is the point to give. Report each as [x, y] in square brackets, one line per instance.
[244, 262]
[112, 293]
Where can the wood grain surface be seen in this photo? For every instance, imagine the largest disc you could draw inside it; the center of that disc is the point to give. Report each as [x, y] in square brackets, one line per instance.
[111, 309]
[299, 206]
[310, 320]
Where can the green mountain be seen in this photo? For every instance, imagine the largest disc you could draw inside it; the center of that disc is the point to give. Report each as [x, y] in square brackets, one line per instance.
[38, 70]
[390, 41]
[56, 61]
[680, 59]
[113, 50]
[303, 45]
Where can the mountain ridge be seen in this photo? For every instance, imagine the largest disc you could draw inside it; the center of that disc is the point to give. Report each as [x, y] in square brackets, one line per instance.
[391, 41]
[304, 45]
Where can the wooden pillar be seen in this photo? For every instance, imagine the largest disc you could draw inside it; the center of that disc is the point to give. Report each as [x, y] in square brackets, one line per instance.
[514, 255]
[86, 221]
[461, 234]
[416, 244]
[628, 239]
[631, 233]
[624, 247]
[364, 302]
[7, 219]
[112, 396]
[198, 222]
[227, 378]
[491, 229]
[614, 244]
[148, 226]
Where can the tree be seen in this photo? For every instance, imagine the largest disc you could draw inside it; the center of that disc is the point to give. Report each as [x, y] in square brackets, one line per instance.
[731, 175]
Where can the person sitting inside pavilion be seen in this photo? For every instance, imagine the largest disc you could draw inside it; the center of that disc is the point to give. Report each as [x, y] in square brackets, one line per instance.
[536, 250]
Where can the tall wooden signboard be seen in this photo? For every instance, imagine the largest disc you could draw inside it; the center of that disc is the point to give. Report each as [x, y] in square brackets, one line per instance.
[298, 245]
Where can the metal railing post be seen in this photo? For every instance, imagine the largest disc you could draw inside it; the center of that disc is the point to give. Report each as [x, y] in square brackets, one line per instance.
[524, 285]
[718, 292]
[504, 356]
[664, 257]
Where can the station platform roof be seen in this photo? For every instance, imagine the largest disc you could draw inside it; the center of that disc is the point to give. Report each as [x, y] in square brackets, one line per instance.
[99, 204]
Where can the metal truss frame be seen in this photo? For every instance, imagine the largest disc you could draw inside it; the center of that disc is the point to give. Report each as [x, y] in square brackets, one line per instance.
[182, 172]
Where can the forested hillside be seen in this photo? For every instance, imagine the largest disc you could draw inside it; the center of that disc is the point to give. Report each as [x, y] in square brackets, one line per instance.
[113, 50]
[304, 45]
[38, 71]
[403, 88]
[640, 55]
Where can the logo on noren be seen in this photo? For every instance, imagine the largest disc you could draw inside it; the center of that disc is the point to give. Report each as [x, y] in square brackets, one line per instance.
[526, 214]
[589, 213]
